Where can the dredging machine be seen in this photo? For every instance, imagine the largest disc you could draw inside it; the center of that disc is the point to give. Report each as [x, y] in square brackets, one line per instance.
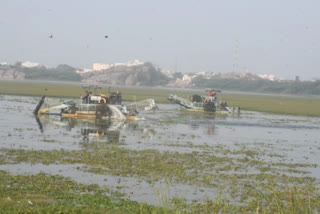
[209, 103]
[96, 106]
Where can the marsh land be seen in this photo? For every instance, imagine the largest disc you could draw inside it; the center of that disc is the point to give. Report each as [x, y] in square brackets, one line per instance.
[170, 161]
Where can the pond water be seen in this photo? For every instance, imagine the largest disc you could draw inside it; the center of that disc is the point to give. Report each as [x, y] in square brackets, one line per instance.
[276, 139]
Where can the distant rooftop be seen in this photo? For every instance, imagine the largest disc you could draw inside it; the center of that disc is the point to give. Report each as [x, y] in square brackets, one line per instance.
[100, 66]
[29, 64]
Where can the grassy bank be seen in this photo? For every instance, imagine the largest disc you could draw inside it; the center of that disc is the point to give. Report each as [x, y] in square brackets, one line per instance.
[55, 194]
[306, 106]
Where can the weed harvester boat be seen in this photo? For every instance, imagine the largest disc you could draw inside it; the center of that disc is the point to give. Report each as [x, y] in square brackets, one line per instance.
[96, 106]
[208, 103]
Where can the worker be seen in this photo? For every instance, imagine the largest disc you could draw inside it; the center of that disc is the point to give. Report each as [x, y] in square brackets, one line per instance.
[210, 93]
[89, 98]
[86, 97]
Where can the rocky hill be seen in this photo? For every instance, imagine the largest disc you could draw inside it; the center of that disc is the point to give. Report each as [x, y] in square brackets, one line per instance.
[139, 75]
[9, 74]
[39, 72]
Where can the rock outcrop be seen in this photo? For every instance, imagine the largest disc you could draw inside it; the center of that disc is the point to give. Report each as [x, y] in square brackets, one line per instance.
[137, 75]
[10, 74]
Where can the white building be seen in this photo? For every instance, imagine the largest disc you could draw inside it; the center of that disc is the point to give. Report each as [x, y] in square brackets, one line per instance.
[267, 76]
[100, 66]
[29, 64]
[83, 71]
[168, 73]
[134, 63]
[203, 73]
[186, 78]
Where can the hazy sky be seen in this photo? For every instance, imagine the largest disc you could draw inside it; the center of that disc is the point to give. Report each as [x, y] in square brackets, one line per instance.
[279, 37]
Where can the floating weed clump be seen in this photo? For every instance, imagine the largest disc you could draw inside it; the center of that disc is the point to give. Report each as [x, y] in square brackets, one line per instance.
[54, 194]
[215, 165]
[49, 140]
[239, 171]
[250, 190]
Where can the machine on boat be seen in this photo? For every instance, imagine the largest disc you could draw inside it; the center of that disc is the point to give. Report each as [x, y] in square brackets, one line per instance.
[96, 106]
[208, 103]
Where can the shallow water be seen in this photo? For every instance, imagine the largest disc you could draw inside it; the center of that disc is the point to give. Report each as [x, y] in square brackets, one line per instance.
[294, 139]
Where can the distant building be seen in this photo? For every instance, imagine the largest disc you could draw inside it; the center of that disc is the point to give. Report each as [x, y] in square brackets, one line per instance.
[134, 63]
[29, 64]
[99, 66]
[168, 73]
[186, 78]
[297, 78]
[203, 73]
[267, 76]
[83, 71]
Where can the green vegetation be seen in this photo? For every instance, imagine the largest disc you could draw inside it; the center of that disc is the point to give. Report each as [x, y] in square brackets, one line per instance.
[188, 168]
[54, 194]
[308, 106]
[263, 86]
[267, 188]
[60, 73]
[28, 88]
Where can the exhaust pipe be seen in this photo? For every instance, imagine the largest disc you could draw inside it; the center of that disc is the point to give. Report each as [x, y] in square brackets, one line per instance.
[35, 112]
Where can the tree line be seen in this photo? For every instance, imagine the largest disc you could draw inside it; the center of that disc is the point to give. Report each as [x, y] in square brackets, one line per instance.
[60, 73]
[263, 86]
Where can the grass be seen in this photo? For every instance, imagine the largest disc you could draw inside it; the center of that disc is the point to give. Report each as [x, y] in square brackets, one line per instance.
[306, 106]
[74, 90]
[215, 168]
[42, 193]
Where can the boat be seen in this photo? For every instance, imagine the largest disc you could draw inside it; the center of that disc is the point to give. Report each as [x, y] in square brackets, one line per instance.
[209, 103]
[96, 106]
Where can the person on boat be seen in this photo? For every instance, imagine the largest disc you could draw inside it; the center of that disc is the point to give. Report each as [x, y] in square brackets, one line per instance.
[86, 97]
[89, 98]
[212, 96]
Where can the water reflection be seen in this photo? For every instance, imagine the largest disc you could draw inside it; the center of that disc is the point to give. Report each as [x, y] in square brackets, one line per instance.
[210, 129]
[39, 124]
[90, 129]
[194, 126]
[95, 129]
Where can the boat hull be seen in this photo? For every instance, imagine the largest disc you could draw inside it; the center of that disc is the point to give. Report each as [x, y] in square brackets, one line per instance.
[80, 115]
[202, 110]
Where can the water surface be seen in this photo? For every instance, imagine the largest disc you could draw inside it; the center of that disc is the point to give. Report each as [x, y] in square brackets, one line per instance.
[278, 139]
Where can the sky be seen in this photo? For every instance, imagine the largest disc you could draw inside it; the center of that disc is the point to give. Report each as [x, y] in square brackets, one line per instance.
[279, 37]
